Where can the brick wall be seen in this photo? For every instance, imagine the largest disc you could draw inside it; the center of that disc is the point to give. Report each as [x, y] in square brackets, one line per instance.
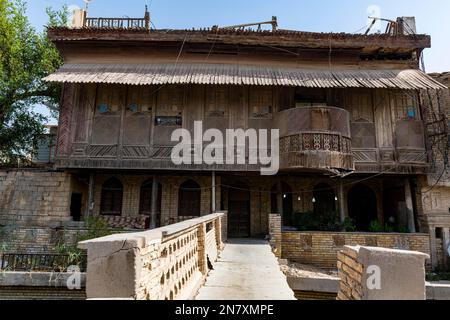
[350, 275]
[169, 202]
[320, 248]
[34, 205]
[34, 197]
[21, 239]
[275, 234]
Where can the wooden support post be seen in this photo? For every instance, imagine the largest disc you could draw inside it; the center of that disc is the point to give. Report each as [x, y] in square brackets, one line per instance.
[280, 199]
[91, 191]
[342, 204]
[213, 192]
[154, 203]
[409, 207]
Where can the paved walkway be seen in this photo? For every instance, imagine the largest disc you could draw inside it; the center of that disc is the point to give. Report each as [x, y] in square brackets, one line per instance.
[246, 270]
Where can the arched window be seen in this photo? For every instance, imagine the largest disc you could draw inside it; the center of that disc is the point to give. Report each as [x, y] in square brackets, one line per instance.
[145, 200]
[324, 200]
[362, 206]
[189, 196]
[112, 194]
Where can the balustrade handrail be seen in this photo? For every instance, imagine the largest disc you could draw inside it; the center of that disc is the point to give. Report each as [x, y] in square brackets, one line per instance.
[159, 234]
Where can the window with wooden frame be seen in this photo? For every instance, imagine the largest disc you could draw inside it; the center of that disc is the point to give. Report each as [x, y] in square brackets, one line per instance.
[286, 98]
[111, 198]
[109, 99]
[170, 105]
[310, 97]
[360, 103]
[189, 198]
[170, 101]
[139, 100]
[260, 102]
[405, 105]
[216, 101]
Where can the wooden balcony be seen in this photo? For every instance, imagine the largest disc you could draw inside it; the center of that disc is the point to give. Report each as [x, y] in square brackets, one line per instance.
[315, 138]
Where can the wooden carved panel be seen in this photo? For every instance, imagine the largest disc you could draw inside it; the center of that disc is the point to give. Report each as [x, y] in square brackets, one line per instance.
[136, 130]
[65, 119]
[360, 103]
[365, 155]
[363, 135]
[412, 156]
[135, 152]
[410, 134]
[84, 112]
[99, 151]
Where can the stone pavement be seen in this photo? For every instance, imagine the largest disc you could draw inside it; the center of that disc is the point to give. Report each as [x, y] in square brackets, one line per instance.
[246, 270]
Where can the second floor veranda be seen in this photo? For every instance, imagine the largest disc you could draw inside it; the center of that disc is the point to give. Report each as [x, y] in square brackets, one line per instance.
[327, 119]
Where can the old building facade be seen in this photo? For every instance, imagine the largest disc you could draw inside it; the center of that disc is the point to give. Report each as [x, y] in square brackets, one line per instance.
[351, 112]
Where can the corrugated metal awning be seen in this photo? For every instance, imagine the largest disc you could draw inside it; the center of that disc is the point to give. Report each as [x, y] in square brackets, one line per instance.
[182, 73]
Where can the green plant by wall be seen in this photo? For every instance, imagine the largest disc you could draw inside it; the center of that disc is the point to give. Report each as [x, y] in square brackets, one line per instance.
[94, 227]
[309, 221]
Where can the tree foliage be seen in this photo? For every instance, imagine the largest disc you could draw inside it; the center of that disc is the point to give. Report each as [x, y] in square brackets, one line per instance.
[26, 56]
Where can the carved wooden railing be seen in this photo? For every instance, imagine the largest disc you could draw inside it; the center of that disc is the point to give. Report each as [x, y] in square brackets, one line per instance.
[167, 263]
[315, 138]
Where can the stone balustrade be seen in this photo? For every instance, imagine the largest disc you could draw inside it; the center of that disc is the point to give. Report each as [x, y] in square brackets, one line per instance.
[167, 263]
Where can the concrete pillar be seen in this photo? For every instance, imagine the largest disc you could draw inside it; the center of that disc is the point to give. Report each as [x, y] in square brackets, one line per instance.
[91, 191]
[446, 246]
[368, 273]
[213, 192]
[154, 203]
[409, 207]
[342, 203]
[275, 233]
[433, 251]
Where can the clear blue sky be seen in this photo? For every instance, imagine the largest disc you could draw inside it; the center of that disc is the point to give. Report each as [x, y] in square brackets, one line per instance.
[308, 15]
[312, 15]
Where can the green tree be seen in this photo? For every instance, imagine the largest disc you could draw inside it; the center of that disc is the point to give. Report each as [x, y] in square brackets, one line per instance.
[26, 57]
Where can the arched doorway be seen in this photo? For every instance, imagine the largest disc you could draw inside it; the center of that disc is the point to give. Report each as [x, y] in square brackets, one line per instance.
[189, 197]
[362, 206]
[288, 206]
[145, 201]
[239, 210]
[111, 198]
[324, 201]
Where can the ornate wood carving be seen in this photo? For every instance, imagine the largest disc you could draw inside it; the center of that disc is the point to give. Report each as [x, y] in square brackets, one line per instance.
[135, 152]
[65, 120]
[99, 151]
[365, 155]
